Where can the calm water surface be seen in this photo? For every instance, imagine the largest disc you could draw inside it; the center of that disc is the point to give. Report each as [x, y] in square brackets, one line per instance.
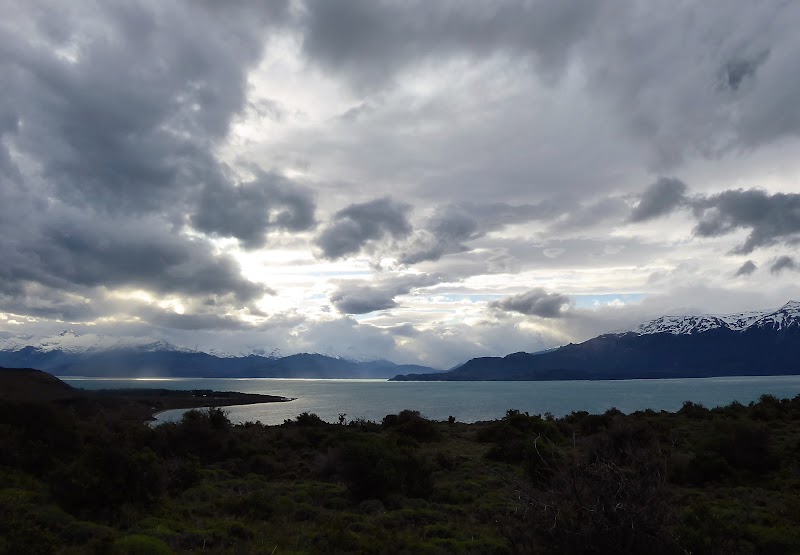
[467, 401]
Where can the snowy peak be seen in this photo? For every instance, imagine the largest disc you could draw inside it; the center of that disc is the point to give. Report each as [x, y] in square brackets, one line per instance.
[785, 317]
[681, 325]
[70, 342]
[788, 316]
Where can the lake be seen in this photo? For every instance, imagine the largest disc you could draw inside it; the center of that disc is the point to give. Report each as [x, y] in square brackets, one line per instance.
[466, 401]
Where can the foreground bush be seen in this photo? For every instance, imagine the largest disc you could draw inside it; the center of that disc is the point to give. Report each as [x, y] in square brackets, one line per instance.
[700, 481]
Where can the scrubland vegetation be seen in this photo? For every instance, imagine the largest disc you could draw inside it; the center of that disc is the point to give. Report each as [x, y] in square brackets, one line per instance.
[81, 479]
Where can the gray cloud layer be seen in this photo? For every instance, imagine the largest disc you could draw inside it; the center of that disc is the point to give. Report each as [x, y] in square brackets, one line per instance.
[357, 297]
[662, 197]
[746, 269]
[127, 119]
[113, 112]
[515, 132]
[738, 93]
[770, 218]
[536, 302]
[783, 263]
[358, 224]
[249, 210]
[372, 41]
[453, 225]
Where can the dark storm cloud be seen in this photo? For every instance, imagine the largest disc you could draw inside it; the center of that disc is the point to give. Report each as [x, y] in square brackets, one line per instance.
[31, 299]
[113, 112]
[731, 63]
[659, 199]
[783, 263]
[250, 210]
[746, 269]
[371, 40]
[358, 224]
[771, 219]
[362, 300]
[403, 330]
[65, 261]
[128, 123]
[208, 321]
[140, 254]
[78, 258]
[739, 69]
[359, 297]
[730, 79]
[770, 82]
[451, 226]
[579, 216]
[536, 302]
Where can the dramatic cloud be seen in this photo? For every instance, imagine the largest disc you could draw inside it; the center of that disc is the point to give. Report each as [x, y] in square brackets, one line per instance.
[353, 227]
[172, 320]
[121, 107]
[783, 263]
[247, 175]
[660, 198]
[112, 115]
[746, 269]
[356, 297]
[453, 225]
[738, 93]
[248, 211]
[371, 41]
[583, 217]
[771, 219]
[135, 254]
[536, 302]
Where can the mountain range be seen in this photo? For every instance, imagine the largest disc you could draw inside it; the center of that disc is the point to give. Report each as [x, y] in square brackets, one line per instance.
[751, 343]
[96, 355]
[744, 344]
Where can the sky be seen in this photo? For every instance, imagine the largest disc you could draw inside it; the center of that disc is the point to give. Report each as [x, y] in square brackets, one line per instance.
[421, 181]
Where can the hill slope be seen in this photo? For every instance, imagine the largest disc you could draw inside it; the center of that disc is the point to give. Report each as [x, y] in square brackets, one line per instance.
[27, 384]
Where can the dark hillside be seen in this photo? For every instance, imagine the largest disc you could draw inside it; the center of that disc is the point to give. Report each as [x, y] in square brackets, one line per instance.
[27, 384]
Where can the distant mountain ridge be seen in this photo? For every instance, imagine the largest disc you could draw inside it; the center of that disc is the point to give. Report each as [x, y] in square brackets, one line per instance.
[97, 355]
[70, 342]
[787, 315]
[745, 344]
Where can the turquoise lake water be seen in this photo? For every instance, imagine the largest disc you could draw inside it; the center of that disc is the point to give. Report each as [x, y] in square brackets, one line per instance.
[466, 401]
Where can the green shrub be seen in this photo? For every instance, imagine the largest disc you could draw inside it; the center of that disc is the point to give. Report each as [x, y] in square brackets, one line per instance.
[373, 468]
[522, 438]
[411, 424]
[106, 477]
[733, 444]
[140, 545]
[306, 419]
[694, 410]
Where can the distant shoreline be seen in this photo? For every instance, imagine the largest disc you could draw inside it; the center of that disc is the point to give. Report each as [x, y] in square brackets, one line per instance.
[29, 385]
[157, 401]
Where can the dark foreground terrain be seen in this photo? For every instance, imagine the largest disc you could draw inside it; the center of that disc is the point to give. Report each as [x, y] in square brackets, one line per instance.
[86, 478]
[28, 385]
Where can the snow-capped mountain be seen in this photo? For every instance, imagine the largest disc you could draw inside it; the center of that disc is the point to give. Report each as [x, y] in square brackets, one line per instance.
[759, 343]
[70, 342]
[786, 316]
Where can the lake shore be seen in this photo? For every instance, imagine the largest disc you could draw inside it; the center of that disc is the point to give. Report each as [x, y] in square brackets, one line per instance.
[149, 403]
